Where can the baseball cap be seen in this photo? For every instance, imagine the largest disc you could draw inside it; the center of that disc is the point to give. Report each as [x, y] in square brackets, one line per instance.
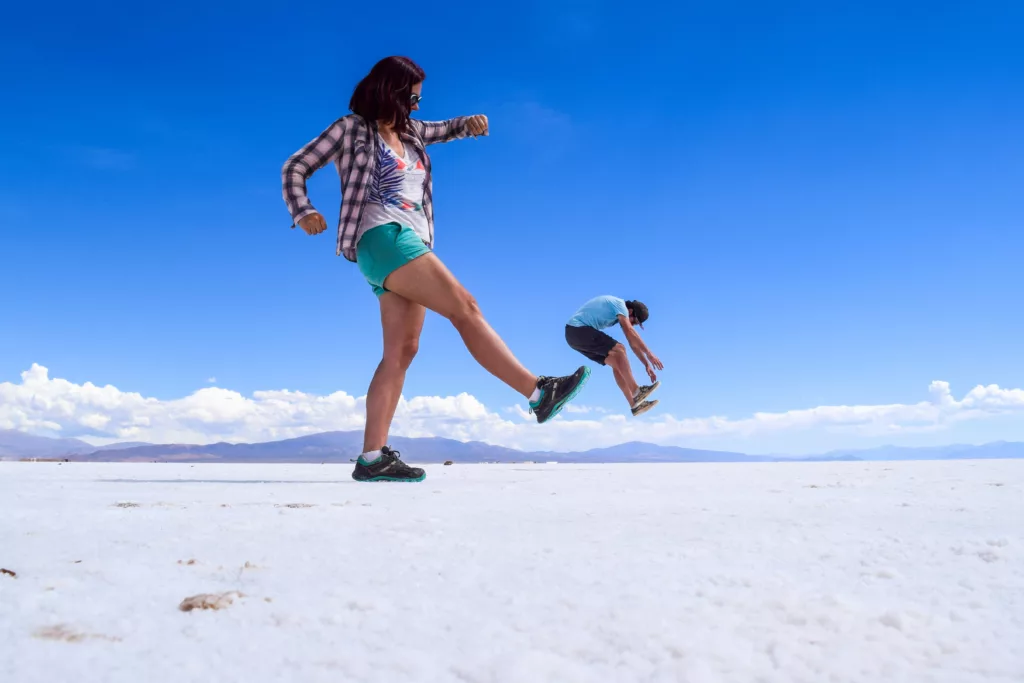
[640, 311]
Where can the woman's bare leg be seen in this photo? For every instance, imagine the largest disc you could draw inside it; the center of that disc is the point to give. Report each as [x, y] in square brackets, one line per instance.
[402, 322]
[429, 283]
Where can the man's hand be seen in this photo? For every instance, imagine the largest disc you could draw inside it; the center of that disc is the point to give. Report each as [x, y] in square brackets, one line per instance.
[313, 224]
[477, 125]
[650, 373]
[655, 361]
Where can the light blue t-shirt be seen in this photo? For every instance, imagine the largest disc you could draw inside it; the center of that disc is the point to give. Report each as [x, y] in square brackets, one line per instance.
[599, 313]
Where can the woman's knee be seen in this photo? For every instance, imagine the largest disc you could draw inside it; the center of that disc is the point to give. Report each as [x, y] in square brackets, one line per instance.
[402, 353]
[465, 309]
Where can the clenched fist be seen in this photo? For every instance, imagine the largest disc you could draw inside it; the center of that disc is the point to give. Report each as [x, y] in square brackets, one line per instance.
[477, 125]
[313, 224]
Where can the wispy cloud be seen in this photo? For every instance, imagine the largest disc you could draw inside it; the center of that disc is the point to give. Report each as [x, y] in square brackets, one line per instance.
[540, 118]
[104, 158]
[211, 380]
[542, 132]
[571, 22]
[46, 405]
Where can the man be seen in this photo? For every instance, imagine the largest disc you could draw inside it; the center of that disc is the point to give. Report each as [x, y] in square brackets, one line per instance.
[583, 332]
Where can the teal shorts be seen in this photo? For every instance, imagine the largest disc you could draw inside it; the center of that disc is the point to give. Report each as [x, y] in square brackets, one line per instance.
[384, 249]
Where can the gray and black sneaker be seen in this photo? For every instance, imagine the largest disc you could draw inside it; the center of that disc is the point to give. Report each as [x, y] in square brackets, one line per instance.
[643, 393]
[555, 392]
[642, 408]
[387, 467]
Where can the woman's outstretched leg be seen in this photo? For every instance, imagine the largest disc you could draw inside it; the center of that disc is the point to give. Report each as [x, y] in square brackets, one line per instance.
[426, 281]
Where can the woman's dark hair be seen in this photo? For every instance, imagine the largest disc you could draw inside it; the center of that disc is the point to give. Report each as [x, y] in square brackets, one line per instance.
[385, 94]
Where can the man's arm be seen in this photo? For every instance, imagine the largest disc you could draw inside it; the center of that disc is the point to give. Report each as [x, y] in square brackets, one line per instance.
[640, 348]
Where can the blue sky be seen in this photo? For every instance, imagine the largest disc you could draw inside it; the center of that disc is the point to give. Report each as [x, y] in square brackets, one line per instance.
[822, 206]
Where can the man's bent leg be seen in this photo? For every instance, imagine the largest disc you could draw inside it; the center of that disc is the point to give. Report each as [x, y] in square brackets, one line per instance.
[618, 361]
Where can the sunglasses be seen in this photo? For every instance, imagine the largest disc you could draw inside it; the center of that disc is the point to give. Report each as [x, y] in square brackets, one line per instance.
[415, 99]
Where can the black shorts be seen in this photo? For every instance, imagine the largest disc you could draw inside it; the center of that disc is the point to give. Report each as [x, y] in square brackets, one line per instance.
[594, 344]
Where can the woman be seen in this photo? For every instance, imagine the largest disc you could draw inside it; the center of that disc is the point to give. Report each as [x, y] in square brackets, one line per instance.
[386, 226]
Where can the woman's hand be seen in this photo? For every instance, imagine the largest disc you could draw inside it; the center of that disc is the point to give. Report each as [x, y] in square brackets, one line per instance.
[313, 224]
[477, 125]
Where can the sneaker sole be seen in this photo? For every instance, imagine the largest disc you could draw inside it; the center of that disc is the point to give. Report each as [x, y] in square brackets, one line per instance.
[572, 394]
[396, 479]
[641, 412]
[644, 398]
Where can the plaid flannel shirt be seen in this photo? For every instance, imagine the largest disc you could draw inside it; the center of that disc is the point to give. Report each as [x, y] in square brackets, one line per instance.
[351, 143]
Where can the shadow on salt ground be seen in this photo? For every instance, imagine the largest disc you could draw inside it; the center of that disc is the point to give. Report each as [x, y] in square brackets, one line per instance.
[222, 481]
[293, 481]
[548, 470]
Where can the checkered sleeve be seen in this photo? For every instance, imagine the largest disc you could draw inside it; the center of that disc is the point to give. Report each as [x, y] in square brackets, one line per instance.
[311, 158]
[442, 131]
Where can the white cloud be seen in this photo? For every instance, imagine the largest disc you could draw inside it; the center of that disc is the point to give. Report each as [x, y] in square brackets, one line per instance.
[585, 409]
[44, 405]
[211, 380]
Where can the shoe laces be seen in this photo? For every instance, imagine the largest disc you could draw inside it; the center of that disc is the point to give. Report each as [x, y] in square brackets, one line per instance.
[398, 460]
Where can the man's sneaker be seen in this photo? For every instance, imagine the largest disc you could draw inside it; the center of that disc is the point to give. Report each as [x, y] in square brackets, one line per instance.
[643, 407]
[644, 393]
[555, 392]
[387, 467]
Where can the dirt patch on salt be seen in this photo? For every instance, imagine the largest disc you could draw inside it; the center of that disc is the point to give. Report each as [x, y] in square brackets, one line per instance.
[66, 634]
[209, 601]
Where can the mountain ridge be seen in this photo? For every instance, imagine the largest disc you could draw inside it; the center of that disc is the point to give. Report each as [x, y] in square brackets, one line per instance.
[342, 446]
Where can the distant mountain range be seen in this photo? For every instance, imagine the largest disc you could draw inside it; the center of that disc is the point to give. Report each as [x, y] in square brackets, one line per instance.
[16, 445]
[342, 446]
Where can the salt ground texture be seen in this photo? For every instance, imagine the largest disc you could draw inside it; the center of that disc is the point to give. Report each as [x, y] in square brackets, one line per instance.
[502, 573]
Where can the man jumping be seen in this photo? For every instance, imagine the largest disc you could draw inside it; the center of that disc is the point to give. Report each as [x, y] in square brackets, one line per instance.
[583, 332]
